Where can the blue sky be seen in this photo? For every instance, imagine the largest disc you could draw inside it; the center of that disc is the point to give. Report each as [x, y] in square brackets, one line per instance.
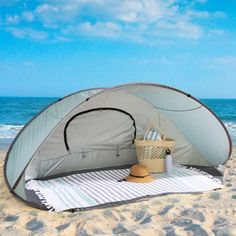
[56, 47]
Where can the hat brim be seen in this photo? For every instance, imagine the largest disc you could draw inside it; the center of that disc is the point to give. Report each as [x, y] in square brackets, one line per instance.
[146, 179]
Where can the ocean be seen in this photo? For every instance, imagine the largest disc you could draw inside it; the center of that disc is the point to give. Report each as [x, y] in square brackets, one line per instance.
[15, 112]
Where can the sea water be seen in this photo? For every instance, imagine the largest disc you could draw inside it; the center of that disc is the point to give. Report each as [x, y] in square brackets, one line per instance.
[15, 112]
[225, 109]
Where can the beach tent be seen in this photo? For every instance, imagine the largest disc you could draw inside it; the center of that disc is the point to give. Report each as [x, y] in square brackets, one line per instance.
[96, 128]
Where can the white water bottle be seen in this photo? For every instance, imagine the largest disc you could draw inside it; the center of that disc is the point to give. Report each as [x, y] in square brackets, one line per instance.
[168, 162]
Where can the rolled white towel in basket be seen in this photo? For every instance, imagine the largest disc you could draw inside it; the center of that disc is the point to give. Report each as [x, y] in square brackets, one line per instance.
[152, 134]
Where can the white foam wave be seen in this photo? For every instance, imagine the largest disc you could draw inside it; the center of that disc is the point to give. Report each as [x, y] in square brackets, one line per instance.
[231, 126]
[9, 131]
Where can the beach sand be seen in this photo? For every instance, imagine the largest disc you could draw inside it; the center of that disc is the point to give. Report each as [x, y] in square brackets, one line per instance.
[211, 213]
[2, 154]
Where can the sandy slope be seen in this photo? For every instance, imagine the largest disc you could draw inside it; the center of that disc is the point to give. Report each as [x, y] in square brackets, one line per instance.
[212, 213]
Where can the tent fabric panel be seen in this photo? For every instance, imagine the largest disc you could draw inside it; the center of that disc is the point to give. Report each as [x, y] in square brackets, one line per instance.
[183, 111]
[99, 130]
[124, 101]
[162, 97]
[184, 151]
[53, 146]
[26, 145]
[33, 134]
[20, 188]
[83, 161]
[143, 113]
[205, 133]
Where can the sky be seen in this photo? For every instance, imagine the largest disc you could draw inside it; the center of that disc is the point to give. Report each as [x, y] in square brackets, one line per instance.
[56, 47]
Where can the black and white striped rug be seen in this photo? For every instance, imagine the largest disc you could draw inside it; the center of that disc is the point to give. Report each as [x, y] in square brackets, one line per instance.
[100, 187]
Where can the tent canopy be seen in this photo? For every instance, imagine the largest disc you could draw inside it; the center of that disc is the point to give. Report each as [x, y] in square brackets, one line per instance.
[96, 128]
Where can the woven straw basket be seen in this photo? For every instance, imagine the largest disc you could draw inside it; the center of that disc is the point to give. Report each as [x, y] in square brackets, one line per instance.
[152, 153]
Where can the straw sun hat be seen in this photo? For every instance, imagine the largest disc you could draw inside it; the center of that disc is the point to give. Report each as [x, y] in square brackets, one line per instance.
[139, 174]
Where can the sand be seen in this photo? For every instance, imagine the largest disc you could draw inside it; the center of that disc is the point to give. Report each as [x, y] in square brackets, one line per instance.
[2, 154]
[211, 213]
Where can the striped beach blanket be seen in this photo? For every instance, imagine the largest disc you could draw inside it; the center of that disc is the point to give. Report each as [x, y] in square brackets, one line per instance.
[95, 188]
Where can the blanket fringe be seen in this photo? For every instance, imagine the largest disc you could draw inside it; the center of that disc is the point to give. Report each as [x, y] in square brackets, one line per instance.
[44, 201]
[214, 179]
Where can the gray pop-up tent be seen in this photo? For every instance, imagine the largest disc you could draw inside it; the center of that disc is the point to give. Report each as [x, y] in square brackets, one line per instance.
[96, 128]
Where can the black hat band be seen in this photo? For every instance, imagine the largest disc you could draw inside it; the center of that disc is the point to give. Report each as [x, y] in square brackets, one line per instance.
[138, 176]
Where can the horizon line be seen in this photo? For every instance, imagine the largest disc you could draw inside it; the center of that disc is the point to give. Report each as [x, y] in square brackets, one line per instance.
[11, 96]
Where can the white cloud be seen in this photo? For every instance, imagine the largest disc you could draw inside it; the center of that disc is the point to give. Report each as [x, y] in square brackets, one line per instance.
[221, 62]
[216, 32]
[46, 8]
[14, 19]
[225, 60]
[180, 29]
[144, 19]
[58, 38]
[198, 14]
[139, 11]
[188, 30]
[48, 14]
[27, 33]
[106, 29]
[219, 14]
[28, 16]
[137, 20]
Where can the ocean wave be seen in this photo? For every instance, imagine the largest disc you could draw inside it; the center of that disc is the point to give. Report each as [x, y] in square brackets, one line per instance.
[231, 127]
[9, 131]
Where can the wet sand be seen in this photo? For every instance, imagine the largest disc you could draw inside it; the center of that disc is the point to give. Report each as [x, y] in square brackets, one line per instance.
[211, 213]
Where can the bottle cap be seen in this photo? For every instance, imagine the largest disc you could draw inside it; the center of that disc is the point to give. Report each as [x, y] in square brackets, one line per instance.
[167, 151]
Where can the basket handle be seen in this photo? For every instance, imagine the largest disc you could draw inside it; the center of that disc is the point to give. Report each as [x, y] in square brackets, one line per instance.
[162, 121]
